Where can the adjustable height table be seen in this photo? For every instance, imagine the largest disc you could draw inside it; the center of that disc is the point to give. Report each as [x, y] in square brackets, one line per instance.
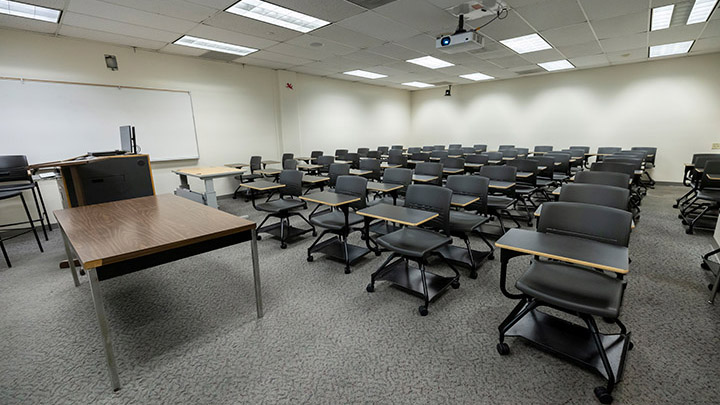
[207, 175]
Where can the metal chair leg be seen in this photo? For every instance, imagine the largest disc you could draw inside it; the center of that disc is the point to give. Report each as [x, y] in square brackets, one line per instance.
[32, 223]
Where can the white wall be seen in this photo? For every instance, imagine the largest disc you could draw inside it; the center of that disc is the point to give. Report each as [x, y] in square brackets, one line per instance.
[238, 109]
[673, 104]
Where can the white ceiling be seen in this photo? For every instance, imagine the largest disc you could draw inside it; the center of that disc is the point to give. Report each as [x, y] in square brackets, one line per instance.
[589, 33]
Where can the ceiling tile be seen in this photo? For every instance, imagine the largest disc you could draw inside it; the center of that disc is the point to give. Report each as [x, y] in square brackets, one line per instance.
[340, 64]
[406, 67]
[633, 55]
[249, 26]
[510, 27]
[182, 50]
[172, 8]
[251, 60]
[369, 57]
[56, 4]
[706, 45]
[327, 46]
[219, 34]
[396, 51]
[300, 52]
[712, 29]
[130, 15]
[422, 43]
[620, 26]
[276, 57]
[117, 27]
[312, 70]
[420, 15]
[552, 14]
[597, 10]
[570, 35]
[590, 61]
[221, 56]
[511, 61]
[675, 34]
[624, 43]
[547, 55]
[337, 33]
[9, 21]
[377, 26]
[110, 38]
[588, 48]
[332, 11]
[385, 70]
[216, 4]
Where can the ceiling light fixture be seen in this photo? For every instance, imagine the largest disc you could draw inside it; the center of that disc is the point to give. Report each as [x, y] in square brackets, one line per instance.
[476, 77]
[701, 11]
[418, 84]
[365, 74]
[276, 15]
[670, 49]
[526, 43]
[430, 62]
[561, 64]
[216, 46]
[29, 11]
[661, 17]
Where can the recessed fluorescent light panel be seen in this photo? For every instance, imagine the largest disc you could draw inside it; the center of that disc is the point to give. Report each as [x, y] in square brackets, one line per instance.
[670, 49]
[701, 11]
[365, 74]
[418, 84]
[661, 17]
[526, 44]
[276, 15]
[216, 46]
[556, 65]
[476, 77]
[29, 11]
[430, 62]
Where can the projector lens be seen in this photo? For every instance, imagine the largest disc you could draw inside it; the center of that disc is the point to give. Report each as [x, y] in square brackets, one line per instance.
[445, 41]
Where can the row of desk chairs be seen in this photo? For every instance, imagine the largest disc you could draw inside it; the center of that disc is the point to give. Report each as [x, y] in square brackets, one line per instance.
[700, 205]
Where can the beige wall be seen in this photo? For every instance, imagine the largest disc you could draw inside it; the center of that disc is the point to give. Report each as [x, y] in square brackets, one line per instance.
[673, 104]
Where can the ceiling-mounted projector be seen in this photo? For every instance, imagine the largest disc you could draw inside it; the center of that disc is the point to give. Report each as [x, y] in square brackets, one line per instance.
[460, 42]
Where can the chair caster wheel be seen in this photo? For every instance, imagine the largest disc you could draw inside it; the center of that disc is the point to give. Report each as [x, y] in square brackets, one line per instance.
[348, 271]
[503, 349]
[370, 288]
[283, 246]
[377, 254]
[680, 216]
[705, 266]
[314, 233]
[258, 237]
[603, 395]
[710, 287]
[689, 231]
[473, 275]
[530, 224]
[491, 257]
[675, 205]
[609, 320]
[683, 222]
[423, 310]
[310, 258]
[631, 345]
[456, 284]
[82, 273]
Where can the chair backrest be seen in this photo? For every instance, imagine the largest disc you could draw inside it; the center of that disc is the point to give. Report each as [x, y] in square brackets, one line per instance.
[355, 186]
[603, 224]
[374, 154]
[650, 151]
[543, 148]
[522, 151]
[289, 164]
[483, 159]
[563, 158]
[608, 150]
[503, 147]
[585, 149]
[341, 152]
[337, 169]
[316, 153]
[325, 161]
[546, 161]
[621, 180]
[422, 156]
[255, 163]
[635, 161]
[438, 147]
[398, 160]
[455, 146]
[617, 167]
[525, 165]
[479, 147]
[397, 147]
[699, 159]
[442, 154]
[398, 176]
[476, 186]
[354, 158]
[373, 165]
[292, 179]
[509, 153]
[383, 150]
[575, 153]
[455, 152]
[427, 148]
[499, 173]
[607, 196]
[430, 169]
[395, 152]
[14, 168]
[711, 169]
[362, 152]
[494, 156]
[467, 150]
[454, 163]
[434, 199]
[287, 156]
[414, 149]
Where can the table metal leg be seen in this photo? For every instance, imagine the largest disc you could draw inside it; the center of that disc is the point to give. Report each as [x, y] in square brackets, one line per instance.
[71, 259]
[256, 272]
[104, 328]
[210, 195]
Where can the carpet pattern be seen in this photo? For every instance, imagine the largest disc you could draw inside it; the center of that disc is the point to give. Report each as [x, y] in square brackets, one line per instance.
[186, 332]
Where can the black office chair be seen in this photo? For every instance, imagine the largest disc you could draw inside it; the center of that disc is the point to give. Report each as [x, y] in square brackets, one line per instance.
[561, 171]
[362, 152]
[526, 186]
[336, 170]
[522, 152]
[6, 195]
[284, 207]
[494, 158]
[438, 155]
[255, 164]
[543, 148]
[597, 194]
[314, 155]
[414, 149]
[509, 153]
[577, 158]
[464, 223]
[625, 168]
[383, 150]
[339, 153]
[706, 199]
[289, 164]
[325, 162]
[503, 147]
[691, 177]
[430, 169]
[455, 146]
[373, 154]
[649, 160]
[454, 163]
[500, 203]
[418, 244]
[479, 148]
[475, 159]
[621, 180]
[354, 158]
[395, 152]
[585, 149]
[399, 176]
[467, 150]
[374, 166]
[427, 148]
[455, 152]
[15, 176]
[580, 291]
[544, 179]
[285, 157]
[398, 160]
[396, 147]
[438, 147]
[333, 221]
[606, 150]
[420, 156]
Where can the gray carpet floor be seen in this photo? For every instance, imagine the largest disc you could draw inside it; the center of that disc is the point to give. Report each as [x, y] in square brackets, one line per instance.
[187, 332]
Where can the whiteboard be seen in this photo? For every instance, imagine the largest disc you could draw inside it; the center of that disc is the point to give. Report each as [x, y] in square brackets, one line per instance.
[50, 121]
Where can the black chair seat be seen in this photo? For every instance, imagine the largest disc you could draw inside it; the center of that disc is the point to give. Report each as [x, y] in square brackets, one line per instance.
[521, 189]
[465, 222]
[17, 187]
[9, 194]
[386, 200]
[709, 195]
[280, 205]
[573, 288]
[502, 202]
[413, 242]
[249, 176]
[335, 220]
[544, 182]
[560, 176]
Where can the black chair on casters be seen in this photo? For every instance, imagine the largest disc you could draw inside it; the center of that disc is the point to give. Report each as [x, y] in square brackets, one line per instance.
[255, 164]
[4, 195]
[15, 176]
[383, 150]
[333, 221]
[499, 205]
[289, 164]
[707, 198]
[285, 207]
[430, 169]
[621, 180]
[579, 291]
[419, 244]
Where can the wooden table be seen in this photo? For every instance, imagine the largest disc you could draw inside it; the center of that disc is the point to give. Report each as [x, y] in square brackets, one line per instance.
[501, 185]
[450, 170]
[121, 237]
[423, 178]
[269, 162]
[269, 172]
[207, 175]
[385, 188]
[260, 186]
[386, 165]
[238, 165]
[358, 172]
[460, 200]
[314, 181]
[308, 167]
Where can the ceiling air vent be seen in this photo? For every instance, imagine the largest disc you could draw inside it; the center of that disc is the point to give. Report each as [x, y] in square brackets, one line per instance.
[441, 83]
[530, 71]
